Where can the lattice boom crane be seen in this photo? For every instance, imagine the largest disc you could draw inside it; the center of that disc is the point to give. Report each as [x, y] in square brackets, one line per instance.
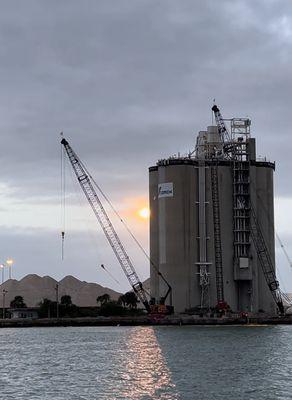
[223, 132]
[107, 227]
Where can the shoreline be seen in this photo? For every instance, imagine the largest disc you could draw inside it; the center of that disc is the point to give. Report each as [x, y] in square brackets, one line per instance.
[143, 321]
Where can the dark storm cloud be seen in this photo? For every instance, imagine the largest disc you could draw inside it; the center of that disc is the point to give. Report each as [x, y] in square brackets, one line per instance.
[133, 81]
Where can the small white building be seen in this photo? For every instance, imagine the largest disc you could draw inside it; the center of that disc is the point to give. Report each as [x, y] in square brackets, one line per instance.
[18, 313]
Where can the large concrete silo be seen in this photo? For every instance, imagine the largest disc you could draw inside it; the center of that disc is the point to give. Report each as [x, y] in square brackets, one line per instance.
[183, 241]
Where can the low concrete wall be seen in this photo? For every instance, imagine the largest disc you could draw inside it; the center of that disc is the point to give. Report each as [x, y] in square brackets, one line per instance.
[141, 321]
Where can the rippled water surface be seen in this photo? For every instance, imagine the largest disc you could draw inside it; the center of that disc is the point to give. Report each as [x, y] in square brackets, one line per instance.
[146, 363]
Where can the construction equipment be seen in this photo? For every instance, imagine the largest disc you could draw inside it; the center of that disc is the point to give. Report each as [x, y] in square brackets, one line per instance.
[108, 272]
[85, 181]
[265, 261]
[217, 235]
[225, 140]
[245, 223]
[284, 250]
[223, 132]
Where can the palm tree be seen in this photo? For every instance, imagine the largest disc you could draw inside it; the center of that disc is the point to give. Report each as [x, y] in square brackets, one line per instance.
[131, 300]
[122, 300]
[17, 302]
[66, 300]
[103, 299]
[45, 307]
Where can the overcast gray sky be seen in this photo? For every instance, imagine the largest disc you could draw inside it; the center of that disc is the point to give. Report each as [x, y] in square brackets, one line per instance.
[128, 82]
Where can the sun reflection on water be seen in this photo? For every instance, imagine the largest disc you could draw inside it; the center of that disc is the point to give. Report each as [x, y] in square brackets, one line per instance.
[145, 373]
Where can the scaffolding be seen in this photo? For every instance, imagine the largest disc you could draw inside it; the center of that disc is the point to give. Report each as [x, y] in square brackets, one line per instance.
[203, 264]
[240, 132]
[234, 147]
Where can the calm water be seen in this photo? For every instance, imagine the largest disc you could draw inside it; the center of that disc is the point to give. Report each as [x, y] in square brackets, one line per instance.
[146, 363]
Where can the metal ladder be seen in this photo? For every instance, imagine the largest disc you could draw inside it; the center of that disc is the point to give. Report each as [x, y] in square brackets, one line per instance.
[241, 203]
[217, 234]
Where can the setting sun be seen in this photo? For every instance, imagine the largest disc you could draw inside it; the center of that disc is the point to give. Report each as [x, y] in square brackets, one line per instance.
[144, 213]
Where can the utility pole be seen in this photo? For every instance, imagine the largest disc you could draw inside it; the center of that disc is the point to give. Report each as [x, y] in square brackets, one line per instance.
[3, 308]
[57, 298]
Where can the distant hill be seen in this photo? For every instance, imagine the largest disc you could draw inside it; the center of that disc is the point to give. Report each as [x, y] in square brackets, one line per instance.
[34, 288]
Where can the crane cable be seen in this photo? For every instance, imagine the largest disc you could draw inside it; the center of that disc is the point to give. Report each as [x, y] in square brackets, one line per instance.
[112, 208]
[109, 273]
[123, 222]
[284, 249]
[280, 242]
[63, 200]
[276, 233]
[90, 235]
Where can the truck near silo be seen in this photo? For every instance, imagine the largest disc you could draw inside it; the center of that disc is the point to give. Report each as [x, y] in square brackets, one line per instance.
[212, 224]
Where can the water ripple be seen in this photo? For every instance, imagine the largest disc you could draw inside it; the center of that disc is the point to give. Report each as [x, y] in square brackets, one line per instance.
[141, 363]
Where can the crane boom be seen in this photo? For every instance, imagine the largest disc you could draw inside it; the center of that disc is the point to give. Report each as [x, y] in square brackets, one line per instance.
[223, 132]
[266, 261]
[245, 220]
[104, 221]
[217, 235]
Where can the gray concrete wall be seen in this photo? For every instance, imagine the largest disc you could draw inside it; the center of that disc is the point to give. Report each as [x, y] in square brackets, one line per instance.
[154, 254]
[173, 234]
[174, 243]
[265, 215]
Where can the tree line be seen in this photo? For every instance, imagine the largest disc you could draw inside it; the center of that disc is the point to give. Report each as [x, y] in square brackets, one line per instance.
[105, 306]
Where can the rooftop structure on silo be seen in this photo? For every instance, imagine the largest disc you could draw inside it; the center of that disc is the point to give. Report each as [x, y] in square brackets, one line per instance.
[212, 223]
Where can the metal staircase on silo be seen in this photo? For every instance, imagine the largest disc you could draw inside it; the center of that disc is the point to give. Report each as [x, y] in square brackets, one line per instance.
[240, 132]
[245, 222]
[241, 201]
